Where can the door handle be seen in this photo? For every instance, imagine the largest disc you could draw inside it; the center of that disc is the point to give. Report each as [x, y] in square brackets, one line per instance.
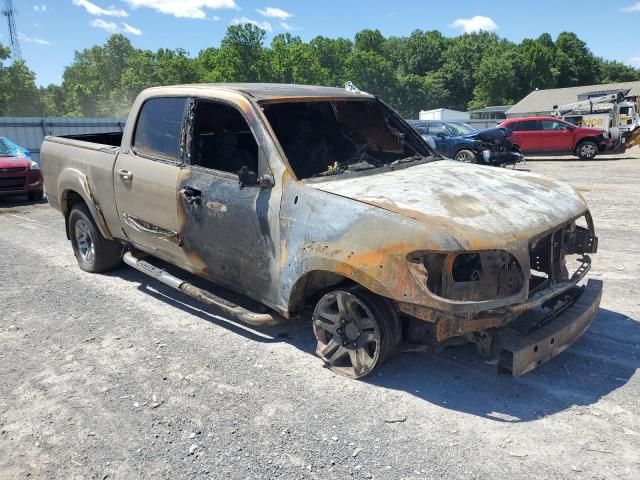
[191, 195]
[125, 174]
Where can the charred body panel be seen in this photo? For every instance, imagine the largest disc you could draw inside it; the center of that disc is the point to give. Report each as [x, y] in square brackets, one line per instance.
[460, 250]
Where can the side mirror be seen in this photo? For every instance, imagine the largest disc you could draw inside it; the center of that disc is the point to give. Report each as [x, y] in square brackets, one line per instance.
[266, 181]
[247, 178]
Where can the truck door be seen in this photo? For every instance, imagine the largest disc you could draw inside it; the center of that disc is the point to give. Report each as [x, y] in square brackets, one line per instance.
[226, 228]
[146, 178]
[557, 136]
[527, 135]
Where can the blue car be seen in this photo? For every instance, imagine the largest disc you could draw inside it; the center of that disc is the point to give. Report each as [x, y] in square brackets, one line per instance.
[462, 142]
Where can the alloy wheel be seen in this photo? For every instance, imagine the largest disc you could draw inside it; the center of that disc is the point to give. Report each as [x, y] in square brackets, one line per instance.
[348, 334]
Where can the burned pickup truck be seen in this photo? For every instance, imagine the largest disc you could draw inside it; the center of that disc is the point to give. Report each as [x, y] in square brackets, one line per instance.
[315, 199]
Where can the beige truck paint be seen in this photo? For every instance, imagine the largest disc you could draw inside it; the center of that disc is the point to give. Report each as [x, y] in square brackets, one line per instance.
[384, 231]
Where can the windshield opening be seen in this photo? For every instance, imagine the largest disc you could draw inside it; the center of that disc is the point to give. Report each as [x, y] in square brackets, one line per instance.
[459, 128]
[10, 149]
[331, 137]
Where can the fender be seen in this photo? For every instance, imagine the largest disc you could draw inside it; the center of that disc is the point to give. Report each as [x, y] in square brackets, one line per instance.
[72, 180]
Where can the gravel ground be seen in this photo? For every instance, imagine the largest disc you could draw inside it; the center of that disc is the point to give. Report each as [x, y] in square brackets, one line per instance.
[114, 376]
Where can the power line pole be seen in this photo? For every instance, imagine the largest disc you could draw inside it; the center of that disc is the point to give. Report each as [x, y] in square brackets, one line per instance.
[9, 12]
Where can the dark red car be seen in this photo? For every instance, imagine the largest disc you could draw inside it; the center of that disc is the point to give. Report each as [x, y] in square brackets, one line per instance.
[549, 135]
[19, 175]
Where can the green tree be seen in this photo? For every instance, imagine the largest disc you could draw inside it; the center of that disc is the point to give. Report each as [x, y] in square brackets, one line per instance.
[496, 76]
[370, 71]
[575, 64]
[94, 75]
[241, 57]
[462, 58]
[370, 41]
[292, 61]
[535, 68]
[18, 91]
[332, 54]
[415, 93]
[614, 71]
[423, 52]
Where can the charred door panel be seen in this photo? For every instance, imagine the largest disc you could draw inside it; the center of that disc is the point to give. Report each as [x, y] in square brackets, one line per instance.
[225, 230]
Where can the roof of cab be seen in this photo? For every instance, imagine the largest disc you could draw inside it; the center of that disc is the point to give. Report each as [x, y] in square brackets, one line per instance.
[275, 91]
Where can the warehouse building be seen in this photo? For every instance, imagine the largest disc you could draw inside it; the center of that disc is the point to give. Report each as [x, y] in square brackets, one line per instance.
[541, 102]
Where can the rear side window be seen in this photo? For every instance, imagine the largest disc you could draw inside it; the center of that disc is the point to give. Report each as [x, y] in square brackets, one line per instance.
[525, 126]
[436, 128]
[553, 125]
[159, 127]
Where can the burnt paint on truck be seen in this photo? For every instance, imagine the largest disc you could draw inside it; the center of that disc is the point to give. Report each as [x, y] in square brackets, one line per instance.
[278, 245]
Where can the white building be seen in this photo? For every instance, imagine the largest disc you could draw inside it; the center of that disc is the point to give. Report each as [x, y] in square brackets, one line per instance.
[443, 114]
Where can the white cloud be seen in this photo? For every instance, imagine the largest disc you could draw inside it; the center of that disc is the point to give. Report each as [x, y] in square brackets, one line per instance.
[40, 8]
[216, 18]
[274, 12]
[266, 26]
[130, 29]
[183, 8]
[94, 9]
[632, 8]
[28, 39]
[475, 24]
[113, 27]
[635, 61]
[287, 26]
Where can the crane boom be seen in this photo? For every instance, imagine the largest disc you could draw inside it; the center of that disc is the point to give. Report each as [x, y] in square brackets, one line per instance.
[587, 105]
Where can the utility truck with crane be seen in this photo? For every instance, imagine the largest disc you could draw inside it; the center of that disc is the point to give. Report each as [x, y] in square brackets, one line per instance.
[613, 113]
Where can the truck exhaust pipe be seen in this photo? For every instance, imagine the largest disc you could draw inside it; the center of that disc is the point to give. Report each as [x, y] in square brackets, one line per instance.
[235, 312]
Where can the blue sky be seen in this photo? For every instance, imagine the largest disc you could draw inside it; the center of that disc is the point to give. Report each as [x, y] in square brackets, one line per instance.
[51, 30]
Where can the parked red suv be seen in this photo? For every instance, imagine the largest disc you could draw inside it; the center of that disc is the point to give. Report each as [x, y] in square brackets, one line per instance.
[549, 135]
[19, 175]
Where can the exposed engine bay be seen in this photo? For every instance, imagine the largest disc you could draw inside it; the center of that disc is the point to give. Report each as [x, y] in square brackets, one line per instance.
[492, 147]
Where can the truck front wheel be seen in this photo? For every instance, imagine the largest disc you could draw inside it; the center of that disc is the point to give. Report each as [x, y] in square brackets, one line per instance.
[356, 331]
[587, 150]
[94, 253]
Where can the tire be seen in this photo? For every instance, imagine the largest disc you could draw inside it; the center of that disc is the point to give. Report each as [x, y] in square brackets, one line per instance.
[587, 150]
[356, 330]
[94, 253]
[35, 196]
[466, 156]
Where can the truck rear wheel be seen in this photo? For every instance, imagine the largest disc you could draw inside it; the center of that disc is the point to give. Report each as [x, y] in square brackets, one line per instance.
[95, 254]
[587, 150]
[356, 331]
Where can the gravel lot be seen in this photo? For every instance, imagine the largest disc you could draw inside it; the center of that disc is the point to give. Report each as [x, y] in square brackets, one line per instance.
[115, 376]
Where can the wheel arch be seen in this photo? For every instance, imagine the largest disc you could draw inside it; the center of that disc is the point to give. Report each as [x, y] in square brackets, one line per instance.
[318, 279]
[311, 283]
[586, 139]
[74, 187]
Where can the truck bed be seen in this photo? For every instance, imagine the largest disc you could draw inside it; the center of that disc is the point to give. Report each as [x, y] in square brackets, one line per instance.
[90, 157]
[113, 139]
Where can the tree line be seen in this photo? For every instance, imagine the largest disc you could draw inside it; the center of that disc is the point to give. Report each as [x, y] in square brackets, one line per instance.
[422, 71]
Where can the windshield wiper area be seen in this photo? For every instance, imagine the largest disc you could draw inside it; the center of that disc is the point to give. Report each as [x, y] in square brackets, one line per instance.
[339, 168]
[412, 158]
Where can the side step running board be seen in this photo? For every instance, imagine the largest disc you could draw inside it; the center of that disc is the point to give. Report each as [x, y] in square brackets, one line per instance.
[236, 312]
